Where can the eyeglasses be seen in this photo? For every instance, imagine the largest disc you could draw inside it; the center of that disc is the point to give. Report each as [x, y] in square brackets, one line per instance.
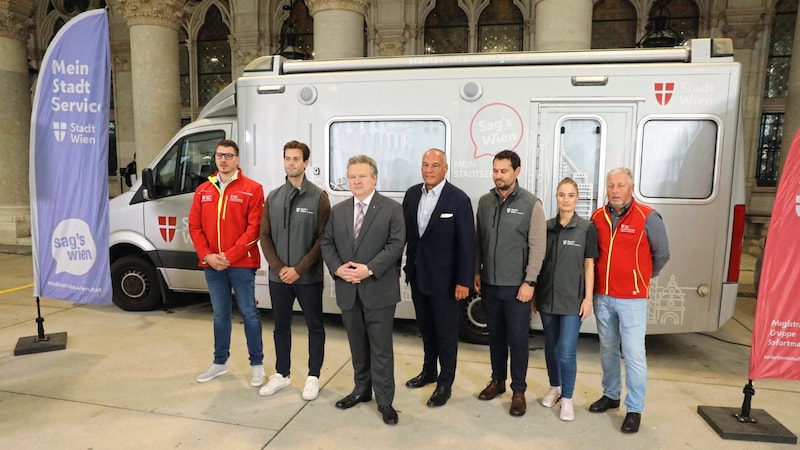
[227, 156]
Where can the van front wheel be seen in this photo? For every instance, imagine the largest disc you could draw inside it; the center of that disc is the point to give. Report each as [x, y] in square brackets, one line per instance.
[136, 285]
[473, 328]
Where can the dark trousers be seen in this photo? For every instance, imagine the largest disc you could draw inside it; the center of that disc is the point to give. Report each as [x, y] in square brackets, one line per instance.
[369, 332]
[509, 322]
[310, 298]
[437, 319]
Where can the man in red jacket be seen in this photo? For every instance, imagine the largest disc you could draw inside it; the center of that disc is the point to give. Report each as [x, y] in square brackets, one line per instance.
[633, 247]
[225, 222]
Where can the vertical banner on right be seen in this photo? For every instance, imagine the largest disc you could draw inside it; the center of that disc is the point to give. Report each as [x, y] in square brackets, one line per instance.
[776, 331]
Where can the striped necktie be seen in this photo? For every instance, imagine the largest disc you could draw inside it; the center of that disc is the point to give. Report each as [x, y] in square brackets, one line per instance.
[359, 218]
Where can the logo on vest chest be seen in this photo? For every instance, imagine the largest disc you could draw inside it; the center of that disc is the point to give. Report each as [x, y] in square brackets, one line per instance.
[625, 228]
[302, 210]
[514, 211]
[570, 243]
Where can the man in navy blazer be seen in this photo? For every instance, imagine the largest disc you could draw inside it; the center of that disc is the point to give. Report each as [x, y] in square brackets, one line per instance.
[362, 247]
[440, 266]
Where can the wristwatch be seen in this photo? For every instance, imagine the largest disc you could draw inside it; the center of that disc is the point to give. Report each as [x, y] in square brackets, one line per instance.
[531, 283]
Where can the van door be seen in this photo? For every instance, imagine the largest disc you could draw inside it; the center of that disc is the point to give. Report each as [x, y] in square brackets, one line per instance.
[581, 140]
[677, 170]
[188, 162]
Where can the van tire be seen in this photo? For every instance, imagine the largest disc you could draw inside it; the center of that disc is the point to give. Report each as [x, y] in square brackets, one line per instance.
[135, 284]
[473, 327]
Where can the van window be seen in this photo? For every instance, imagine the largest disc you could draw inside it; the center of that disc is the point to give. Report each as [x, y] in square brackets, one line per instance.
[678, 159]
[396, 145]
[187, 164]
[579, 159]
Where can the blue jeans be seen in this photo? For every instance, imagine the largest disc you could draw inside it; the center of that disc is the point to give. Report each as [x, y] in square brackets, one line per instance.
[623, 321]
[560, 341]
[509, 321]
[243, 282]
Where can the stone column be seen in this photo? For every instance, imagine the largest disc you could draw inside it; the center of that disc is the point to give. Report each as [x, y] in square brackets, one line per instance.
[246, 41]
[245, 48]
[791, 119]
[122, 91]
[15, 123]
[338, 27]
[391, 30]
[155, 74]
[123, 108]
[391, 40]
[563, 24]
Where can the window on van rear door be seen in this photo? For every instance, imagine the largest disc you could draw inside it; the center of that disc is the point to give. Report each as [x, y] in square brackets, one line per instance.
[678, 159]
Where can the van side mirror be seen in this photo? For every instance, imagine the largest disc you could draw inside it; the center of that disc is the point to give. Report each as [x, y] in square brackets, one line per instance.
[147, 183]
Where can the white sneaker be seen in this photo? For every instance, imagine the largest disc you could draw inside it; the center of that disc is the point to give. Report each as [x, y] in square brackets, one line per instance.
[212, 372]
[258, 376]
[311, 391]
[552, 396]
[567, 412]
[276, 383]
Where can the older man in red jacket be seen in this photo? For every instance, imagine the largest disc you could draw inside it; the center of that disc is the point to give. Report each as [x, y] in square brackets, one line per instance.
[633, 247]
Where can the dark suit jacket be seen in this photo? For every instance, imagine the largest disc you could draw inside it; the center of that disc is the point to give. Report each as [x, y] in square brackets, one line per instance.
[445, 254]
[379, 246]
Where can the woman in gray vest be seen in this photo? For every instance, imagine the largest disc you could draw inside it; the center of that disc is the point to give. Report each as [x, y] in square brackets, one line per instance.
[564, 294]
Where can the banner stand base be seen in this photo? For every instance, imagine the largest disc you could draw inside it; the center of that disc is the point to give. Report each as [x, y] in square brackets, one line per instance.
[764, 428]
[33, 344]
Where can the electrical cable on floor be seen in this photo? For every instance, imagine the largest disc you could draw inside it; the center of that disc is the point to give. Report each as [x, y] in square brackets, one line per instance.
[724, 340]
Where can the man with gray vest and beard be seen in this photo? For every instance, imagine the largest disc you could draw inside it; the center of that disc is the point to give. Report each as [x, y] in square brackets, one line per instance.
[512, 239]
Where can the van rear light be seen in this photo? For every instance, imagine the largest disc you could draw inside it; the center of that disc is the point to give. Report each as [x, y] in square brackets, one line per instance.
[737, 238]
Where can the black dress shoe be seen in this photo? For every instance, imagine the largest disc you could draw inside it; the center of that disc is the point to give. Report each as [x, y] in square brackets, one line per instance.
[604, 404]
[421, 380]
[631, 422]
[352, 400]
[389, 414]
[440, 396]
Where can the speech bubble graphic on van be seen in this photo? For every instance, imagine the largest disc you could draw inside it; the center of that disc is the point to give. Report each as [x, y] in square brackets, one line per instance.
[73, 247]
[495, 127]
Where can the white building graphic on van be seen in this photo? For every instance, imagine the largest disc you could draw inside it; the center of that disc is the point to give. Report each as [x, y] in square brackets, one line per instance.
[666, 304]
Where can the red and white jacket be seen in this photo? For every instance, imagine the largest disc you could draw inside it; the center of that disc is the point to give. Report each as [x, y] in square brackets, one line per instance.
[228, 221]
[625, 264]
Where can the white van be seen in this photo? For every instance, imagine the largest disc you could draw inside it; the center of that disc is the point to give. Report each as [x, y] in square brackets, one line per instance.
[672, 115]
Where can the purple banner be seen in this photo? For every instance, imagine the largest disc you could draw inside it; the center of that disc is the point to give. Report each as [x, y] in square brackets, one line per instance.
[69, 164]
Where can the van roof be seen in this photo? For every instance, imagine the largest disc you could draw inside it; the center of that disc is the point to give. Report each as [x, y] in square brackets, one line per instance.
[696, 50]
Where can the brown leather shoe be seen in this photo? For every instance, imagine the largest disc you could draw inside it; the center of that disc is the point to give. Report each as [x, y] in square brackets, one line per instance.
[518, 404]
[492, 389]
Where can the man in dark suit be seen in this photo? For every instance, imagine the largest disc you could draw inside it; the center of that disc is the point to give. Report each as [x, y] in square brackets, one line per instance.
[362, 247]
[440, 257]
